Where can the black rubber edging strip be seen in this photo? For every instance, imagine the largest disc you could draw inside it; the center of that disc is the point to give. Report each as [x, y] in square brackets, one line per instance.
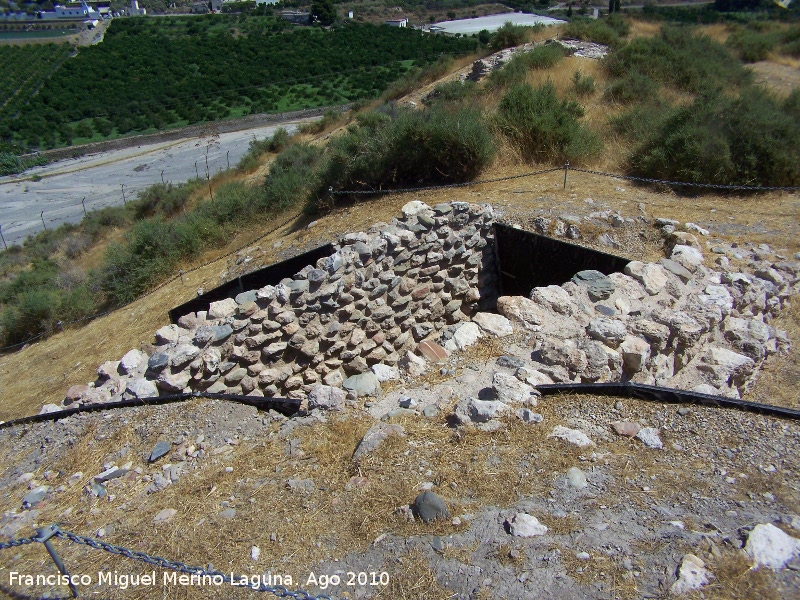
[285, 406]
[668, 395]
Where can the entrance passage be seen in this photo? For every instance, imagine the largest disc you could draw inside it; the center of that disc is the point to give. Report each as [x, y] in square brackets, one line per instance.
[527, 260]
[271, 275]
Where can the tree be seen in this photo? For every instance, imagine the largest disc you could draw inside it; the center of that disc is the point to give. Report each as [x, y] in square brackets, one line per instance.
[323, 12]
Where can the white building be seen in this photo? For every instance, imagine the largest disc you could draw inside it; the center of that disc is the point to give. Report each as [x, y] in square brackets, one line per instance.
[397, 22]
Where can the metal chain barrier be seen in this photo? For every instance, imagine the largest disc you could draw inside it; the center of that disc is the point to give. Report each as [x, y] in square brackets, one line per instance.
[750, 188]
[44, 536]
[439, 187]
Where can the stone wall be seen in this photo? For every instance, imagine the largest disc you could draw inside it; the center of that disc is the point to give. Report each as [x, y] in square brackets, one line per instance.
[377, 297]
[700, 320]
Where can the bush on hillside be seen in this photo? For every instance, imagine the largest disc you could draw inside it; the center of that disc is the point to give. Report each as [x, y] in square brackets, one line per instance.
[631, 88]
[291, 176]
[510, 35]
[275, 143]
[452, 91]
[515, 71]
[544, 127]
[749, 140]
[160, 199]
[678, 57]
[583, 85]
[422, 147]
[608, 31]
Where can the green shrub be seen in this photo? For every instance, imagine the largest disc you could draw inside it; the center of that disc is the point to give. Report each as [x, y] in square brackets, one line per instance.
[275, 143]
[32, 313]
[438, 145]
[680, 58]
[641, 119]
[516, 70]
[749, 140]
[608, 31]
[160, 199]
[417, 76]
[510, 35]
[631, 88]
[328, 119]
[583, 85]
[544, 127]
[98, 222]
[753, 43]
[291, 176]
[452, 91]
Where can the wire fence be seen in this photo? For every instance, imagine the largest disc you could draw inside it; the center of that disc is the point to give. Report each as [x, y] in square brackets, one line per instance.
[179, 275]
[209, 575]
[566, 168]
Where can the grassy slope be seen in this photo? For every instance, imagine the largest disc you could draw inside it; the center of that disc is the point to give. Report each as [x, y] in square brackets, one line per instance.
[71, 357]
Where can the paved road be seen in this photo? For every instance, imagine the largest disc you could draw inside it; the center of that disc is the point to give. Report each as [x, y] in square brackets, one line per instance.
[100, 179]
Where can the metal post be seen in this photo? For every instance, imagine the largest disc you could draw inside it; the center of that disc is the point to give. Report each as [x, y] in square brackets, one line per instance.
[83, 203]
[566, 168]
[196, 172]
[41, 215]
[228, 157]
[123, 194]
[3, 237]
[43, 536]
[180, 272]
[162, 177]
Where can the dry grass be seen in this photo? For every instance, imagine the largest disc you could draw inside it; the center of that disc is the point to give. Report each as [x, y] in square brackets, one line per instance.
[411, 579]
[599, 568]
[735, 579]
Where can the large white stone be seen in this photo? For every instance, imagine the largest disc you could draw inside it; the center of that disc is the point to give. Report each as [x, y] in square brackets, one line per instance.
[692, 575]
[412, 208]
[385, 372]
[466, 335]
[555, 298]
[511, 390]
[573, 436]
[770, 547]
[480, 411]
[652, 276]
[635, 352]
[525, 525]
[222, 309]
[523, 310]
[132, 362]
[728, 360]
[494, 324]
[718, 295]
[689, 257]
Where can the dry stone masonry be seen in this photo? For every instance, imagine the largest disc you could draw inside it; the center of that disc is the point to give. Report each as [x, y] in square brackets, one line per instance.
[380, 296]
[402, 296]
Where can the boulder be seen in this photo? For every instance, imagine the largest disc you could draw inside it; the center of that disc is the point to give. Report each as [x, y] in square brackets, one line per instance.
[493, 324]
[363, 384]
[222, 309]
[692, 575]
[464, 336]
[573, 436]
[510, 390]
[375, 436]
[428, 506]
[326, 397]
[598, 285]
[525, 525]
[473, 410]
[770, 547]
[517, 308]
